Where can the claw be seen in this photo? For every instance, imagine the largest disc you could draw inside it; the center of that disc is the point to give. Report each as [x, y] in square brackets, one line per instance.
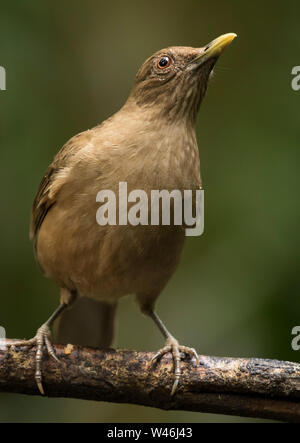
[41, 338]
[50, 349]
[192, 351]
[160, 353]
[173, 346]
[175, 384]
[38, 379]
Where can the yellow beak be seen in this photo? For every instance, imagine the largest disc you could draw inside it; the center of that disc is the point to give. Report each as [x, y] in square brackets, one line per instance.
[215, 48]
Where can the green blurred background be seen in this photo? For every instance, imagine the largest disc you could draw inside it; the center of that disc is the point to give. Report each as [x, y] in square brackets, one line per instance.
[70, 64]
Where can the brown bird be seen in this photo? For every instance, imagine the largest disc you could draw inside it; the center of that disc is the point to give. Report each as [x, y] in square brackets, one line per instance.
[149, 144]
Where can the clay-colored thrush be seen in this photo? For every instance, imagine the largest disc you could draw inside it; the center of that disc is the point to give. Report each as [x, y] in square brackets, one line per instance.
[150, 144]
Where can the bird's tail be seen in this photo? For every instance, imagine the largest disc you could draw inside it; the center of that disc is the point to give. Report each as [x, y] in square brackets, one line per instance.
[86, 323]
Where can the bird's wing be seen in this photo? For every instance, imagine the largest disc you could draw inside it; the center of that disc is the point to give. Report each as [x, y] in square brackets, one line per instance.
[42, 203]
[53, 181]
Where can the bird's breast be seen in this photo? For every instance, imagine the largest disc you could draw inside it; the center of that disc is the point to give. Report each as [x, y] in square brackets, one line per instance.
[108, 261]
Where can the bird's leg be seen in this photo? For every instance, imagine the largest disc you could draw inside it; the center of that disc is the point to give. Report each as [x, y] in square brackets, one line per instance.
[42, 338]
[172, 346]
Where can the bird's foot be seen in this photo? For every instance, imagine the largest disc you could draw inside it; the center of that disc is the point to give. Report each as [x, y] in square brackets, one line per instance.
[175, 348]
[41, 338]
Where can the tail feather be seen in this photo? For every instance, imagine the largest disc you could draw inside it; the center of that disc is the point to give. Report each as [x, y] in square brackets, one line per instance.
[86, 323]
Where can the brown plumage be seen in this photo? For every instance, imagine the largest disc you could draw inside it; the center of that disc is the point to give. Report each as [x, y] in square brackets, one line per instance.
[150, 144]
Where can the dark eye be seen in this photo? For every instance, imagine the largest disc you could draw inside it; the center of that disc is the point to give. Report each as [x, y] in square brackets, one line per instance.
[164, 62]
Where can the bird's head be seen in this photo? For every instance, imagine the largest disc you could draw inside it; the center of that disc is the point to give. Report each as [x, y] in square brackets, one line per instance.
[173, 81]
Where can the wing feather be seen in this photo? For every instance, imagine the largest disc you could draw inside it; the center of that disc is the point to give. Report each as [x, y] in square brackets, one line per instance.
[53, 180]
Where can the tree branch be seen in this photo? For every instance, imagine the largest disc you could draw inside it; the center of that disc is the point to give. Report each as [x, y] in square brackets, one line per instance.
[234, 386]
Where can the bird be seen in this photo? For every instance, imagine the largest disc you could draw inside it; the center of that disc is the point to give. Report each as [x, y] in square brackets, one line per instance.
[150, 143]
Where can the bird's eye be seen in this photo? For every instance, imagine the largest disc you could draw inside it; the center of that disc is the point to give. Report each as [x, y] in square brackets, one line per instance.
[164, 62]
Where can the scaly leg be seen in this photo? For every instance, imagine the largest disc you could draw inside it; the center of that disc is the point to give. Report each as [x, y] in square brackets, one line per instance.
[172, 346]
[42, 338]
